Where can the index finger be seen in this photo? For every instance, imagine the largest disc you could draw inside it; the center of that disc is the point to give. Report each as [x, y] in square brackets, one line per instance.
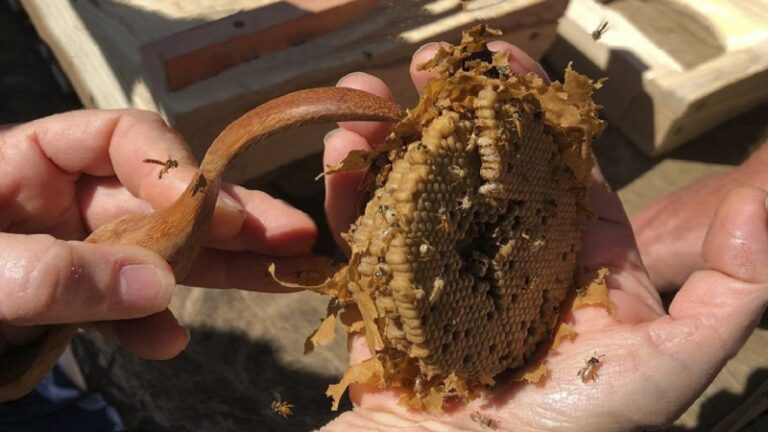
[104, 143]
[108, 142]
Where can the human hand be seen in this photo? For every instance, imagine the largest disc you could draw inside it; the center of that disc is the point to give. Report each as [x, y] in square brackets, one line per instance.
[64, 176]
[653, 364]
[671, 231]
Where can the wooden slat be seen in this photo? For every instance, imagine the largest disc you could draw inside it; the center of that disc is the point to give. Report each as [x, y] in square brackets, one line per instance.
[287, 26]
[120, 48]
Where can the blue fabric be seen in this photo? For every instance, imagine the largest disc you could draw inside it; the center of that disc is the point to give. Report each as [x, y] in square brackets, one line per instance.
[57, 405]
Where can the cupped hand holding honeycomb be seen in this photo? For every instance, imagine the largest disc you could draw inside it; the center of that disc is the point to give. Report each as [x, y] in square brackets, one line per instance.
[652, 364]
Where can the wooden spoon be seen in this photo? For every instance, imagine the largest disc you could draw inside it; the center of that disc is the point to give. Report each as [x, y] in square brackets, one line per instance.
[178, 232]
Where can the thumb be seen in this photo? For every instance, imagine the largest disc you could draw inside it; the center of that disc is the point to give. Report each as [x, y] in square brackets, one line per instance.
[44, 280]
[719, 306]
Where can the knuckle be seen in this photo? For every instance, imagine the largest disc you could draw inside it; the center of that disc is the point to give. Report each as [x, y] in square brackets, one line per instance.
[132, 119]
[142, 116]
[31, 299]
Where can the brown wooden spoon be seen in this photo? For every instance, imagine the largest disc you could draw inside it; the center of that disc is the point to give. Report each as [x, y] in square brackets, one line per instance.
[178, 232]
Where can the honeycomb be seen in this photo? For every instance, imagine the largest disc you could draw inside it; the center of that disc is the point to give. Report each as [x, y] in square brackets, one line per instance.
[467, 244]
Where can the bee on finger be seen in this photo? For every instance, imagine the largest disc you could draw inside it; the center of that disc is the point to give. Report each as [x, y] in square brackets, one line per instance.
[167, 165]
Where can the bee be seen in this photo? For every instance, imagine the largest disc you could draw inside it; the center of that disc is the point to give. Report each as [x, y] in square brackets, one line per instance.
[457, 172]
[589, 371]
[381, 272]
[444, 222]
[281, 407]
[491, 189]
[465, 202]
[437, 289]
[600, 30]
[388, 233]
[483, 420]
[418, 385]
[472, 142]
[425, 250]
[167, 165]
[538, 244]
[200, 184]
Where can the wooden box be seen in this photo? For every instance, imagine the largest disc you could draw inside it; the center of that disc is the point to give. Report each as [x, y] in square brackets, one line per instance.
[675, 68]
[202, 63]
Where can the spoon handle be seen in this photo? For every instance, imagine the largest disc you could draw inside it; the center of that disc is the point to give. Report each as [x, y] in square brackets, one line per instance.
[178, 232]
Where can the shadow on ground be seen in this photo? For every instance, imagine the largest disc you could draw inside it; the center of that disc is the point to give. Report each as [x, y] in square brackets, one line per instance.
[224, 381]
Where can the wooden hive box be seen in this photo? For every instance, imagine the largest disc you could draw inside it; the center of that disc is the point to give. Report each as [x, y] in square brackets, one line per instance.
[203, 63]
[675, 68]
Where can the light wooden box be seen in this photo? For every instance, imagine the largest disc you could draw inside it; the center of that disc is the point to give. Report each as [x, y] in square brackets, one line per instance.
[202, 63]
[675, 68]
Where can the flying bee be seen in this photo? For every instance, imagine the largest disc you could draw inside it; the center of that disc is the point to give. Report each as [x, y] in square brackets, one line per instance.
[168, 165]
[589, 371]
[600, 30]
[483, 420]
[281, 407]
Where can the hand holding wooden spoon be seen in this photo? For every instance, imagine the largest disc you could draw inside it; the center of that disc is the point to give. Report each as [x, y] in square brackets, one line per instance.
[95, 282]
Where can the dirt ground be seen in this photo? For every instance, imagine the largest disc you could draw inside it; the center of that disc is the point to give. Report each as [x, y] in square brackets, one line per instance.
[246, 347]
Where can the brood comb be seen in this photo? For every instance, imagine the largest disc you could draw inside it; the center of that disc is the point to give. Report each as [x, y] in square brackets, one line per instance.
[467, 245]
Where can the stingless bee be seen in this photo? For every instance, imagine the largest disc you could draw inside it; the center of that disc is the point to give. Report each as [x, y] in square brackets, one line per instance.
[589, 371]
[600, 30]
[483, 420]
[281, 407]
[167, 165]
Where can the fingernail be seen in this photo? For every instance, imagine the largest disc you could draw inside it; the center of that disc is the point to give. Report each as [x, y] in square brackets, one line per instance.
[145, 287]
[330, 134]
[187, 334]
[338, 83]
[230, 201]
[426, 46]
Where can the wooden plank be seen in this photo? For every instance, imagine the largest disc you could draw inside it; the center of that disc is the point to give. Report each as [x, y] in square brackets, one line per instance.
[270, 29]
[676, 68]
